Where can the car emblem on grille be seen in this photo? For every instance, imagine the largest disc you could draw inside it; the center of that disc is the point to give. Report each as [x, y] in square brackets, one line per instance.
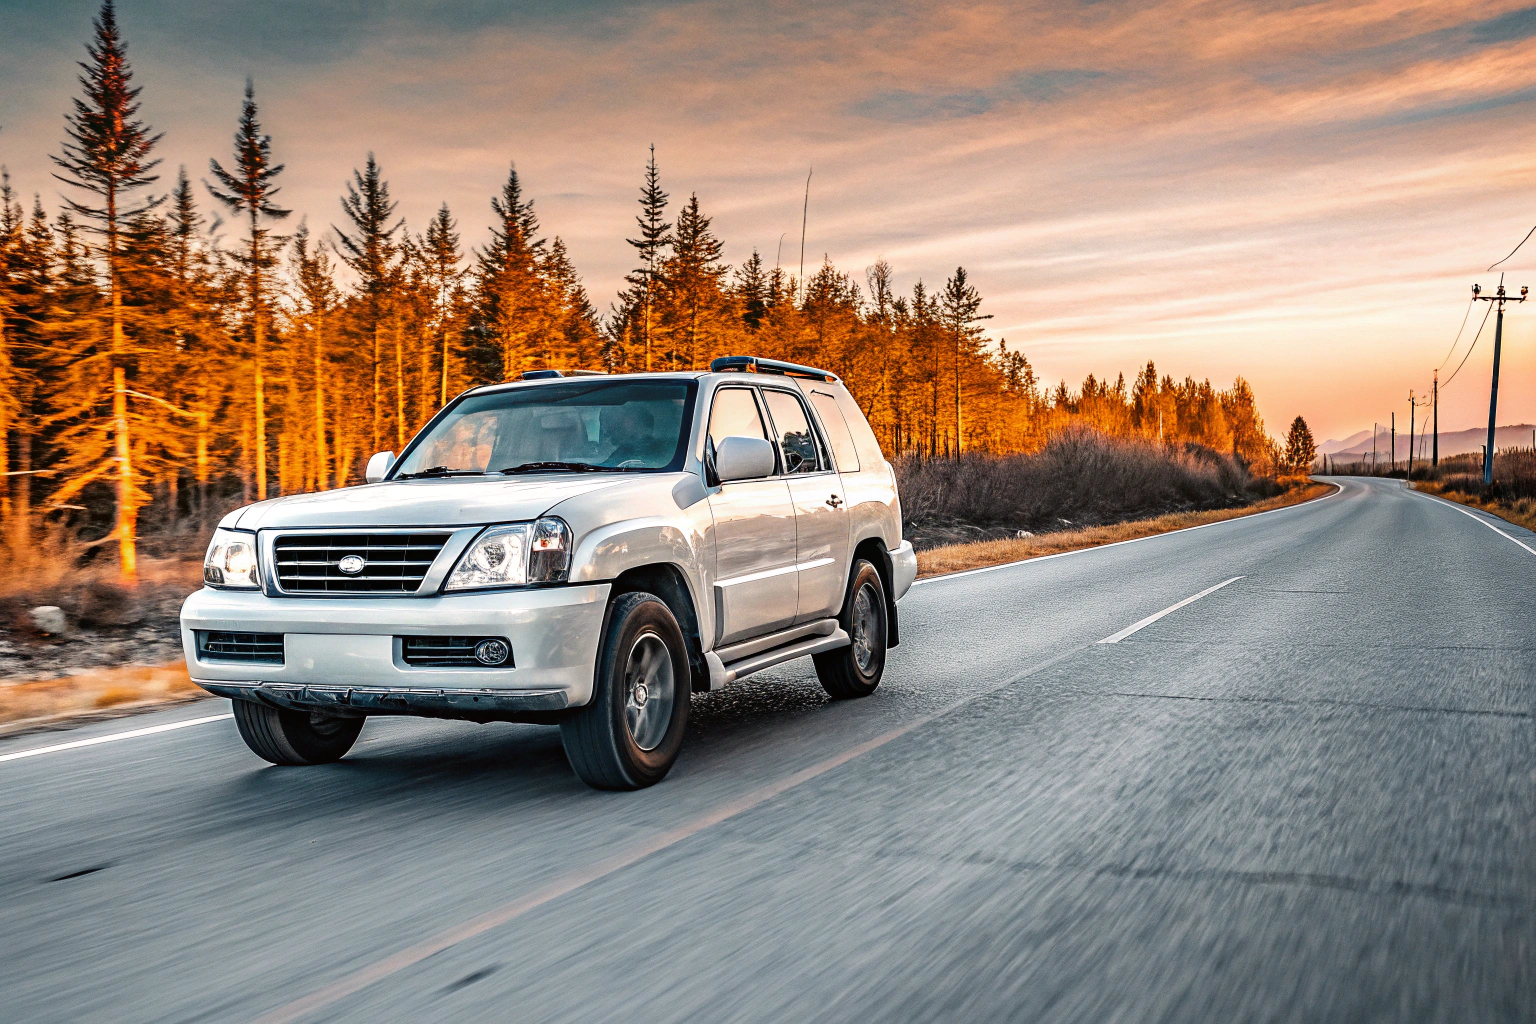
[351, 564]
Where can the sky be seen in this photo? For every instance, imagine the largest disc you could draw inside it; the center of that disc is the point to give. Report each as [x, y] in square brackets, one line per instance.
[1300, 193]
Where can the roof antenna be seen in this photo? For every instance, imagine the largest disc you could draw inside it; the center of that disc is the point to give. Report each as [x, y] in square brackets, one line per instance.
[804, 213]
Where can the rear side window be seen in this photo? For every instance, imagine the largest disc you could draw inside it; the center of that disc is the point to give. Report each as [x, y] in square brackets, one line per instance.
[863, 437]
[795, 438]
[735, 415]
[837, 432]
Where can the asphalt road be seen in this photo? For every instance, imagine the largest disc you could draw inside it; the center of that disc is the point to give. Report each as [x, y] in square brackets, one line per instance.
[1309, 795]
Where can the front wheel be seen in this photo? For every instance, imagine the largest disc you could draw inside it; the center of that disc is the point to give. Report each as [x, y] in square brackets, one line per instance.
[295, 737]
[855, 670]
[631, 732]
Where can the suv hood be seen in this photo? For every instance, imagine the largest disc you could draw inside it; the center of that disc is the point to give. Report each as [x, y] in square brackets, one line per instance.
[451, 501]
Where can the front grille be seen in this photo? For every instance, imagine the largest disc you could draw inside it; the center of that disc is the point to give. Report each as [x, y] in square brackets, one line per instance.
[393, 563]
[448, 651]
[219, 645]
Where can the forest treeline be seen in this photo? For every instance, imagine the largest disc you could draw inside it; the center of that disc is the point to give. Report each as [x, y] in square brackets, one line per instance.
[165, 354]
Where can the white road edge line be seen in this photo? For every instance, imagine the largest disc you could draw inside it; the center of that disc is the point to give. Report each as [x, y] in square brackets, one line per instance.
[1338, 489]
[1128, 630]
[1475, 518]
[113, 737]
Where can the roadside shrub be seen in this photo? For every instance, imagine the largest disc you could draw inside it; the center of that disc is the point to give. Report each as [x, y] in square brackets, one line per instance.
[1082, 477]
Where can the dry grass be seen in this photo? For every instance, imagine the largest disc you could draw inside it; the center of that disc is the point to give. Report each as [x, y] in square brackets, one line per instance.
[1520, 511]
[29, 705]
[958, 557]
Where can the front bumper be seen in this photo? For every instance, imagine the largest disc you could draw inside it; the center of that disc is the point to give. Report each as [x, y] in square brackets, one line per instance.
[346, 652]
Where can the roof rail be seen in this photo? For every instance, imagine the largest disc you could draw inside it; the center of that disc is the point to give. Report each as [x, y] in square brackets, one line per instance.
[547, 374]
[753, 364]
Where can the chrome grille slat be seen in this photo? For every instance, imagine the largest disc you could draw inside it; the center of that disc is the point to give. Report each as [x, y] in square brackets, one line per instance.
[396, 563]
[223, 645]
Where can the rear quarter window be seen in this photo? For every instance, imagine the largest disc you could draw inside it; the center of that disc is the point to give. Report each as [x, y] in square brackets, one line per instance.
[843, 449]
[864, 442]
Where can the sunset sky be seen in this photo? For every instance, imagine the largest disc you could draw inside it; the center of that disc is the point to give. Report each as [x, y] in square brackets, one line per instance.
[1300, 193]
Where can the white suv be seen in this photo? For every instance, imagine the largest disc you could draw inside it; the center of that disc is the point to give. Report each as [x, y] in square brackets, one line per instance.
[575, 550]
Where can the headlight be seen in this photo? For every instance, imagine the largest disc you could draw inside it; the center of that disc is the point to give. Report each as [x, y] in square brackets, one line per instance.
[231, 560]
[514, 555]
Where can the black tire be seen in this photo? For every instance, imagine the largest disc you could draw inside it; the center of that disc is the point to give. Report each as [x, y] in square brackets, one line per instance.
[295, 737]
[855, 670]
[616, 742]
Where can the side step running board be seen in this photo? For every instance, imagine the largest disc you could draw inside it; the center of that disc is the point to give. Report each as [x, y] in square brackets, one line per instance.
[722, 675]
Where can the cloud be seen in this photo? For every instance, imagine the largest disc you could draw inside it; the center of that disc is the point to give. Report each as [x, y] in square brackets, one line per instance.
[903, 105]
[1296, 191]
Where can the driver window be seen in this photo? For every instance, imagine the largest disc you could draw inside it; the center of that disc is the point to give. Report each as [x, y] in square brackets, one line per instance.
[794, 429]
[735, 415]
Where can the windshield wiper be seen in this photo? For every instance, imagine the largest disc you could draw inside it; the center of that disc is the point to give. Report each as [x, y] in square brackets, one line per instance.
[439, 471]
[546, 467]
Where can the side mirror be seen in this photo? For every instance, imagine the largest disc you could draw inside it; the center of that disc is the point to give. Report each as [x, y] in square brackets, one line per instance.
[743, 458]
[379, 466]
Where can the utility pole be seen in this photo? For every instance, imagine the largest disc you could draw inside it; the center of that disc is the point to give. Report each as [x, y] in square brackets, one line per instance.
[1412, 405]
[1435, 405]
[1493, 396]
[1394, 442]
[1374, 428]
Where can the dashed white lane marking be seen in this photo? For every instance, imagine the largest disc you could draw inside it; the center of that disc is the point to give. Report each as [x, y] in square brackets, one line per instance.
[1338, 489]
[1128, 630]
[1479, 519]
[113, 737]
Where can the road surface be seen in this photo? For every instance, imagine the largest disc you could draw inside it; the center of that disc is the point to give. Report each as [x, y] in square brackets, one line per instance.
[1308, 795]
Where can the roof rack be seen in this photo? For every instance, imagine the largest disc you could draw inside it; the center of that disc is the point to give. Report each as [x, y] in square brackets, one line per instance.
[547, 374]
[753, 364]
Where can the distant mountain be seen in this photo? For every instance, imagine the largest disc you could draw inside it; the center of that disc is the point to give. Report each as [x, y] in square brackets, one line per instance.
[1330, 446]
[1456, 442]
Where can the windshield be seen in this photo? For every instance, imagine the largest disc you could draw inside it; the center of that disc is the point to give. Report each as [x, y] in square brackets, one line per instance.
[621, 425]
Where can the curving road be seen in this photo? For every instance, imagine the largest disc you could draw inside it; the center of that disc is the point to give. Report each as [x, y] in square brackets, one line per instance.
[1308, 795]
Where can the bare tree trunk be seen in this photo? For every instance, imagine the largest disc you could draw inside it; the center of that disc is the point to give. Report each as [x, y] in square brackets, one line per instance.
[399, 390]
[259, 330]
[321, 467]
[959, 428]
[442, 398]
[376, 387]
[127, 500]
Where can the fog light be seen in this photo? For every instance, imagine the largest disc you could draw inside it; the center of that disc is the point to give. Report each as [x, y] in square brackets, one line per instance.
[491, 652]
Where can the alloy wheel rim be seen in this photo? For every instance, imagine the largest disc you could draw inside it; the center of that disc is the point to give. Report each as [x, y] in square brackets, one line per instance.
[650, 688]
[866, 621]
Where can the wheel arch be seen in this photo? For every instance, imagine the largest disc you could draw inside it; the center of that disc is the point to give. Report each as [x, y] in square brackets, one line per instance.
[873, 550]
[668, 582]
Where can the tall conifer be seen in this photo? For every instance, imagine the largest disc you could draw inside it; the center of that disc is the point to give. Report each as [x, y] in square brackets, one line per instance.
[651, 245]
[106, 154]
[248, 189]
[370, 250]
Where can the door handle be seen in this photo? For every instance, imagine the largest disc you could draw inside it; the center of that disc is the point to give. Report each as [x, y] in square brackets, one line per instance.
[834, 501]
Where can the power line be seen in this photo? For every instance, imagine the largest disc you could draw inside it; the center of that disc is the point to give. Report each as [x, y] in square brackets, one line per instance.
[1463, 327]
[1516, 249]
[1464, 358]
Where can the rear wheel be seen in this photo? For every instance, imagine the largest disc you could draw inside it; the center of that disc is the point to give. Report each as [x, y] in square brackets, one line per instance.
[631, 732]
[295, 737]
[855, 670]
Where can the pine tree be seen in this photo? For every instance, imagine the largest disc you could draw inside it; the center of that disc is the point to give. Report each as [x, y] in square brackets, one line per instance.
[751, 291]
[442, 257]
[248, 190]
[316, 301]
[371, 251]
[106, 154]
[651, 245]
[1300, 448]
[689, 290]
[960, 311]
[511, 302]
